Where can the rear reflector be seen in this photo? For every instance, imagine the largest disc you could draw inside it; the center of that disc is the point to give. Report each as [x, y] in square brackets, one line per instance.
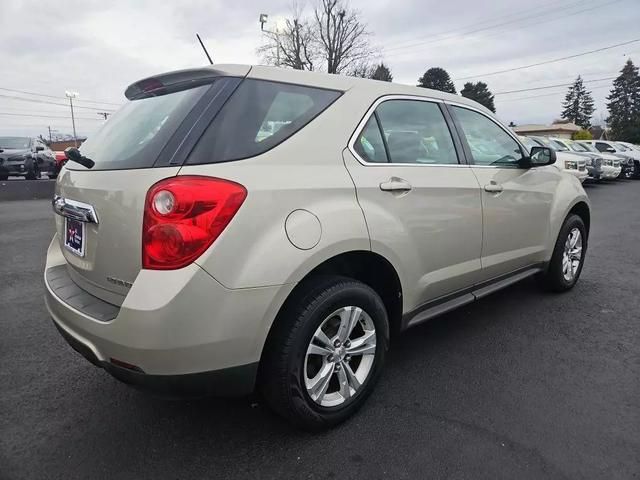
[183, 216]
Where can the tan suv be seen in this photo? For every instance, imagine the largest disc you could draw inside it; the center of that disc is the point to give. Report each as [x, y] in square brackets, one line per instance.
[236, 228]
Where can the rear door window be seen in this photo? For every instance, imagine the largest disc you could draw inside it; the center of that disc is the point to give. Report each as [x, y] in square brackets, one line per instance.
[258, 116]
[416, 133]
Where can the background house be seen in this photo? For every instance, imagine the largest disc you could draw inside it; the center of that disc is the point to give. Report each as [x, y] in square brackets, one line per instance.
[561, 130]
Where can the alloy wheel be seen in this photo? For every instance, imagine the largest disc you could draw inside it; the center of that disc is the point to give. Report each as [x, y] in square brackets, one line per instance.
[340, 356]
[572, 255]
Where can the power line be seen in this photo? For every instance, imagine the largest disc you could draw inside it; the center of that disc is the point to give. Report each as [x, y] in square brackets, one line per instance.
[552, 86]
[33, 100]
[544, 95]
[56, 97]
[474, 25]
[46, 116]
[491, 27]
[549, 61]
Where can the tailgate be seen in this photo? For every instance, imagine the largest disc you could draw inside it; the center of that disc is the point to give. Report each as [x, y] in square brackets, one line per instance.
[112, 242]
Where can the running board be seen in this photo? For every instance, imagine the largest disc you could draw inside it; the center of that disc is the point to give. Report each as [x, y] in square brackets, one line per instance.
[445, 304]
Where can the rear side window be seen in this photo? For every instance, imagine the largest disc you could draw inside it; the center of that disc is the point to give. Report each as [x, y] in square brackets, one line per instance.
[135, 135]
[602, 147]
[257, 117]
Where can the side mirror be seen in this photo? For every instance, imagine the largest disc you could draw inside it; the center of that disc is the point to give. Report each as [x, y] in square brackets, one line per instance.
[541, 156]
[39, 148]
[610, 150]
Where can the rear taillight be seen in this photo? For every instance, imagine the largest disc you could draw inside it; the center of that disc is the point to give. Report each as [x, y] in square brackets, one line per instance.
[183, 216]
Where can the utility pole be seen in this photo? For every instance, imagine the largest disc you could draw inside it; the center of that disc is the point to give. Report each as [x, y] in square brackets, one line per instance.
[71, 96]
[103, 114]
[49, 127]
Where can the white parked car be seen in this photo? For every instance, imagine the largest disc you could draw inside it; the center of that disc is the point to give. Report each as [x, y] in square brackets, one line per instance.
[629, 157]
[571, 163]
[612, 165]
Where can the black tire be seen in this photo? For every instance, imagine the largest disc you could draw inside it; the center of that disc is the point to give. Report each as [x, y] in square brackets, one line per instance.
[4, 177]
[282, 370]
[32, 174]
[52, 177]
[554, 279]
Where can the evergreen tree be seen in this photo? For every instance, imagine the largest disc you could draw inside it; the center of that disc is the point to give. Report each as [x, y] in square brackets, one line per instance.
[438, 79]
[578, 104]
[479, 92]
[383, 73]
[624, 105]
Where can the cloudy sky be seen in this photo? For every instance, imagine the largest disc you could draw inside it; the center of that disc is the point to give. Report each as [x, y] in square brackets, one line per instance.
[97, 48]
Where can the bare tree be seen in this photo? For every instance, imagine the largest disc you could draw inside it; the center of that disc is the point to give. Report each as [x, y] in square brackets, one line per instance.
[293, 46]
[342, 37]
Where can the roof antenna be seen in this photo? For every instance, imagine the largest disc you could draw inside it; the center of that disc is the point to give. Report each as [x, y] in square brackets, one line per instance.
[205, 49]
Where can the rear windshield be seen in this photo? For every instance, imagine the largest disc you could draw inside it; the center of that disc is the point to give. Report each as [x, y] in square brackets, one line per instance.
[135, 135]
[259, 116]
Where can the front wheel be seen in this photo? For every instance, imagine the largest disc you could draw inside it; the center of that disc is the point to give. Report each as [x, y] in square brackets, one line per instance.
[326, 352]
[568, 256]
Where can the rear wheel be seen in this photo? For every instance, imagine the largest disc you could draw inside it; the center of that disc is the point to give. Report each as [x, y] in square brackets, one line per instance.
[326, 353]
[52, 177]
[568, 256]
[4, 177]
[32, 174]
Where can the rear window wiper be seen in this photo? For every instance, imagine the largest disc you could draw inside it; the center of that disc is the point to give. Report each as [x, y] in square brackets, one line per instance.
[74, 155]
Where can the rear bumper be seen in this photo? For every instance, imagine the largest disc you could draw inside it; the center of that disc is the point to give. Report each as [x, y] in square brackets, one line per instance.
[233, 381]
[176, 331]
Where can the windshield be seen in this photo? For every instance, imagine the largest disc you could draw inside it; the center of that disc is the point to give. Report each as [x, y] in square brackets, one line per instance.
[578, 147]
[135, 135]
[559, 146]
[589, 147]
[621, 147]
[528, 142]
[15, 143]
[544, 141]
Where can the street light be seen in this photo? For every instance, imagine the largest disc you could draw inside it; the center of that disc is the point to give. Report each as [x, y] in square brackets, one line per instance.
[71, 96]
[263, 19]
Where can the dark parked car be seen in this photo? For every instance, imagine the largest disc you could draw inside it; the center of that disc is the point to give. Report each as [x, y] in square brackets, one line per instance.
[26, 157]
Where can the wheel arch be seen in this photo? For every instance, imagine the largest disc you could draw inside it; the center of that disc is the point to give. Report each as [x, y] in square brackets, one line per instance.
[582, 210]
[366, 266]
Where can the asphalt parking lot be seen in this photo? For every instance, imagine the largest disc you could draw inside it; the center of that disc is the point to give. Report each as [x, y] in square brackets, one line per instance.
[521, 385]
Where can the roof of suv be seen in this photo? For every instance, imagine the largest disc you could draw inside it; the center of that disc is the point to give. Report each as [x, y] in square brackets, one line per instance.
[324, 80]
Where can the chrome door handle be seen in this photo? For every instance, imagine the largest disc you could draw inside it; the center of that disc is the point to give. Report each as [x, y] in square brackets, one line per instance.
[493, 188]
[395, 184]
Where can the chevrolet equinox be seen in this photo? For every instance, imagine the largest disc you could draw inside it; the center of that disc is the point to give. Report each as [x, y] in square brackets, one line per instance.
[236, 229]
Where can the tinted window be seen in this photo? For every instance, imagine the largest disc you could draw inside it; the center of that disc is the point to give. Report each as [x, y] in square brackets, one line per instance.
[135, 135]
[489, 143]
[602, 147]
[257, 117]
[416, 132]
[369, 144]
